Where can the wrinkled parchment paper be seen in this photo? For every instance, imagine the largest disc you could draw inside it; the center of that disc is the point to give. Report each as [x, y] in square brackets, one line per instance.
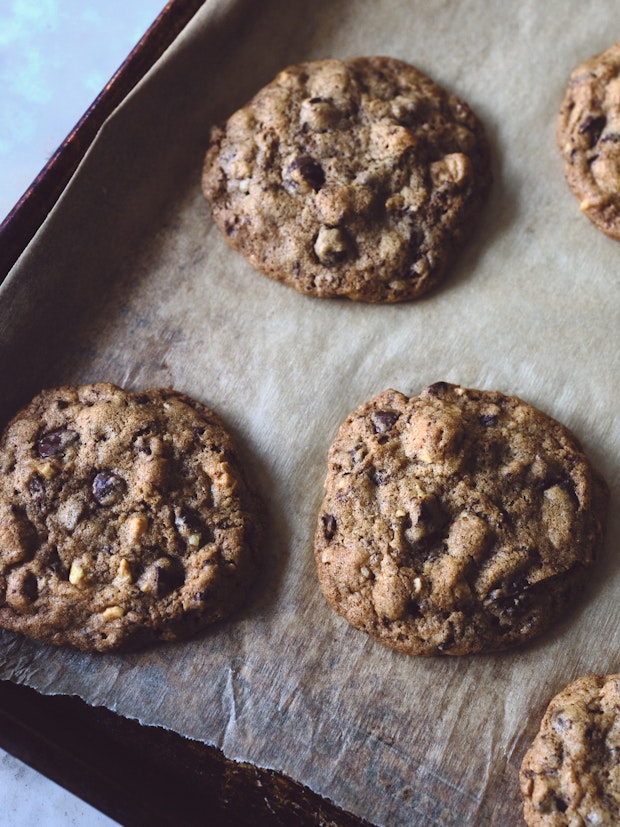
[129, 281]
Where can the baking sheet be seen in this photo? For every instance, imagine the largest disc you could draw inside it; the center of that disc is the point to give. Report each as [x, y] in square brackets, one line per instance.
[129, 281]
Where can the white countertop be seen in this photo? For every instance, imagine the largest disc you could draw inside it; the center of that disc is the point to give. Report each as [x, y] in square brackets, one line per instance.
[55, 57]
[28, 798]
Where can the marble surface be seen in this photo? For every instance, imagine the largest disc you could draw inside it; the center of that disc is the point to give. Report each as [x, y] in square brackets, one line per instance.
[55, 57]
[28, 798]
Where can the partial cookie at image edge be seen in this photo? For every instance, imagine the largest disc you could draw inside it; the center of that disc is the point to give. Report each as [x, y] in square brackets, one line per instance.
[571, 772]
[588, 137]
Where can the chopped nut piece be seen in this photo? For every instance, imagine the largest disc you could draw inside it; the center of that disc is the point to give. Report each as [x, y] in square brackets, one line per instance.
[135, 527]
[76, 574]
[113, 613]
[46, 470]
[224, 472]
[124, 571]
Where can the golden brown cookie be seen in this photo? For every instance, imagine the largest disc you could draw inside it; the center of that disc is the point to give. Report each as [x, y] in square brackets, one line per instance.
[571, 773]
[124, 518]
[456, 521]
[352, 178]
[588, 135]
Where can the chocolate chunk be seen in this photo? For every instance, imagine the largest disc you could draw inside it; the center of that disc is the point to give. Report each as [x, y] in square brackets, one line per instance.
[332, 246]
[384, 421]
[593, 127]
[558, 804]
[310, 170]
[513, 599]
[329, 526]
[438, 388]
[108, 488]
[190, 527]
[55, 442]
[168, 576]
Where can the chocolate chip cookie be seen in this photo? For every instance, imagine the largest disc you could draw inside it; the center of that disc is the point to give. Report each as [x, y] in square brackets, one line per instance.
[124, 518]
[354, 178]
[588, 135]
[571, 773]
[457, 521]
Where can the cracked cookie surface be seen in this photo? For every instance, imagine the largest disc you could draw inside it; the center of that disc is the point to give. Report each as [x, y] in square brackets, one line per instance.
[571, 773]
[349, 178]
[454, 522]
[124, 518]
[588, 135]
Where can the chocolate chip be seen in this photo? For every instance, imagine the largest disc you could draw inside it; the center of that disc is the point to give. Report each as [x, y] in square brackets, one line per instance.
[438, 388]
[30, 587]
[108, 488]
[488, 419]
[55, 442]
[613, 137]
[380, 476]
[329, 526]
[384, 421]
[513, 599]
[593, 127]
[168, 576]
[310, 170]
[449, 641]
[560, 804]
[189, 525]
[590, 733]
[332, 246]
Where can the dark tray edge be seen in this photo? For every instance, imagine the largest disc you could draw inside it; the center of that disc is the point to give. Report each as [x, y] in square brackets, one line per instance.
[144, 776]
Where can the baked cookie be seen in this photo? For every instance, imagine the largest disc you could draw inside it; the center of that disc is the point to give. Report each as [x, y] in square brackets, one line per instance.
[571, 773]
[457, 521]
[124, 518]
[588, 135]
[351, 178]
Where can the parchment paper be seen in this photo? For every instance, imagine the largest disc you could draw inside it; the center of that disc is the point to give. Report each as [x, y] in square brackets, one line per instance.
[129, 281]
